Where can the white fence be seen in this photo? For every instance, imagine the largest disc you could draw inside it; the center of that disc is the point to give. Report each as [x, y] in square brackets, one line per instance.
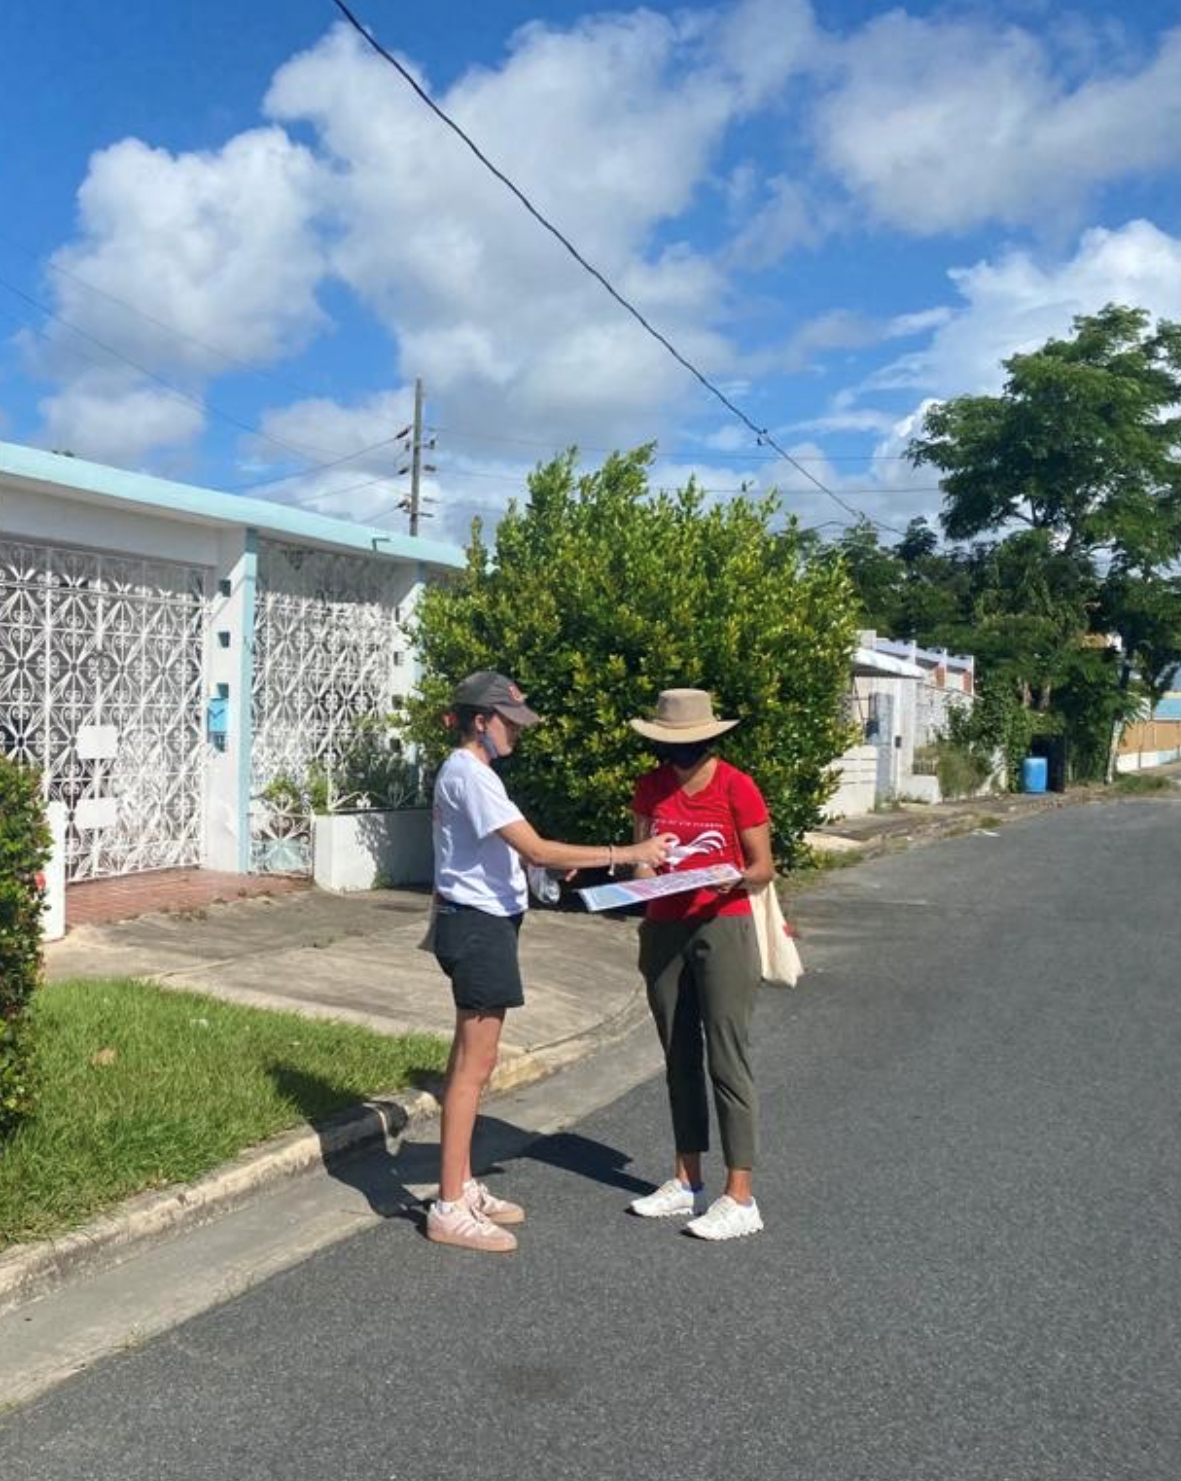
[858, 787]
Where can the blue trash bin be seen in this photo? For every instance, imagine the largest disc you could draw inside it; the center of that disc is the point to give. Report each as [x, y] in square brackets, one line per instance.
[1034, 774]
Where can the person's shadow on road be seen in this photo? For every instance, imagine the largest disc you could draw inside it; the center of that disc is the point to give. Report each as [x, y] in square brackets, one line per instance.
[393, 1162]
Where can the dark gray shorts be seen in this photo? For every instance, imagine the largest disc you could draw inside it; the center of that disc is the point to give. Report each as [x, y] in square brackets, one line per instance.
[478, 952]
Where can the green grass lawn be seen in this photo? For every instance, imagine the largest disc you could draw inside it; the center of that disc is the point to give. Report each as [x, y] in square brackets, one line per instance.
[140, 1087]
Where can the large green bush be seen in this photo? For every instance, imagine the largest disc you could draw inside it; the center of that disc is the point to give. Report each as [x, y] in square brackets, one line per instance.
[598, 595]
[24, 852]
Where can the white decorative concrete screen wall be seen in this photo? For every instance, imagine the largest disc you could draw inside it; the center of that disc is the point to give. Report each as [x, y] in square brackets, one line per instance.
[100, 689]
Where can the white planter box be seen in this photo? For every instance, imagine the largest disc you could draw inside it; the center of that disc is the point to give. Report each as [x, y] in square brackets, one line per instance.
[365, 850]
[920, 788]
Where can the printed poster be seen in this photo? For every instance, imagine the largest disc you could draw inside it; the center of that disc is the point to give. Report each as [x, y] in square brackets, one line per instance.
[623, 892]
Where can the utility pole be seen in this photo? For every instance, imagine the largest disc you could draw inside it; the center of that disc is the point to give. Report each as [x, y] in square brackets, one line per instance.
[416, 458]
[416, 467]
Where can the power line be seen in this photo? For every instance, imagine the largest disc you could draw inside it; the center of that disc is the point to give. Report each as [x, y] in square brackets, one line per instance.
[241, 488]
[199, 402]
[326, 495]
[226, 355]
[685, 453]
[204, 344]
[762, 435]
[313, 499]
[751, 488]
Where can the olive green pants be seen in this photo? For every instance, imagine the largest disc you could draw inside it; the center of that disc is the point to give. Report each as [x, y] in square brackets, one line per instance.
[701, 979]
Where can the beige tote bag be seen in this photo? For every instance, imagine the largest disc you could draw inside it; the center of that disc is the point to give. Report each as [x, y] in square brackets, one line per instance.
[777, 948]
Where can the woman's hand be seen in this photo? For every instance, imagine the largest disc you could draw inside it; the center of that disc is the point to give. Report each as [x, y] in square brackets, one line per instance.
[648, 852]
[756, 853]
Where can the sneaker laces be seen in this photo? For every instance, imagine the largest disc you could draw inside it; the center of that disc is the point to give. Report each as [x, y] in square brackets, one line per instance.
[461, 1209]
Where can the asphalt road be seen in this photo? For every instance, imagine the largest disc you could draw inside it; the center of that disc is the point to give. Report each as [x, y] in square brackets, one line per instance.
[972, 1185]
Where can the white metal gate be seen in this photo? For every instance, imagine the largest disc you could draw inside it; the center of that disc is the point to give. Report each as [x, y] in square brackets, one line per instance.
[328, 645]
[100, 687]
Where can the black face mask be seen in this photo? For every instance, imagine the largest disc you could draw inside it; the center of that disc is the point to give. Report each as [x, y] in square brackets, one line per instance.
[684, 756]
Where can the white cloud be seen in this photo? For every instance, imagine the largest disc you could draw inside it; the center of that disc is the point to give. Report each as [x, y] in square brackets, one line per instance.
[365, 478]
[1017, 303]
[218, 247]
[861, 419]
[212, 244]
[110, 418]
[370, 487]
[615, 127]
[486, 305]
[763, 43]
[789, 217]
[842, 329]
[1006, 307]
[941, 125]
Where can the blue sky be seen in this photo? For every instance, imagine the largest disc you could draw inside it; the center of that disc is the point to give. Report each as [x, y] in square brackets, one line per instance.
[231, 236]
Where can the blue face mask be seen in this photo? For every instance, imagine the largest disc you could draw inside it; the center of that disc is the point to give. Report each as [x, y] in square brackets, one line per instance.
[489, 745]
[684, 756]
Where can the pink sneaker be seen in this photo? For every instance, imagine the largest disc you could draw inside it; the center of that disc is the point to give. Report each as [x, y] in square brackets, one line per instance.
[463, 1226]
[497, 1210]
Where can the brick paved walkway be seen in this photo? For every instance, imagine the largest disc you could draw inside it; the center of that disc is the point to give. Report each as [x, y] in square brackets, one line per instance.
[94, 901]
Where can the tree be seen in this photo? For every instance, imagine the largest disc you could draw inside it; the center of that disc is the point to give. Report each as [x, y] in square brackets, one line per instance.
[1082, 442]
[877, 575]
[1081, 448]
[599, 594]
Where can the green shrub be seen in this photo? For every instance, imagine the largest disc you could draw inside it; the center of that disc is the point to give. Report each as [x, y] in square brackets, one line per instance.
[1138, 784]
[598, 595]
[962, 770]
[374, 770]
[997, 724]
[24, 852]
[370, 769]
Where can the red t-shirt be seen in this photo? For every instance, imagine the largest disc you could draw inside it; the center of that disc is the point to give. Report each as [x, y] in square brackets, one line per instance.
[709, 822]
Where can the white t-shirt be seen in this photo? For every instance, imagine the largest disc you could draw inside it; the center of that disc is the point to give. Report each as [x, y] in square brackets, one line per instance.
[473, 864]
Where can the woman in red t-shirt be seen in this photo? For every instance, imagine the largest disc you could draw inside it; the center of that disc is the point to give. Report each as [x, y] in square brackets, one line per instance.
[700, 959]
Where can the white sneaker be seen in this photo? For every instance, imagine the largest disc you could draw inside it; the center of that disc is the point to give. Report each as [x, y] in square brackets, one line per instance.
[671, 1200]
[726, 1219]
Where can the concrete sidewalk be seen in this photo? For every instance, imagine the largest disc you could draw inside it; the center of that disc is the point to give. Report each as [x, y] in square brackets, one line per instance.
[355, 957]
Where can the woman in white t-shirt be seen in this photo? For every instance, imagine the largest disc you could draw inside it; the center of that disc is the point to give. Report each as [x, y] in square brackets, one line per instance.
[482, 846]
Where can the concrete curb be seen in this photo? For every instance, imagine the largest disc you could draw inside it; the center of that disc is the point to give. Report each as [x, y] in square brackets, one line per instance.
[918, 831]
[32, 1270]
[29, 1271]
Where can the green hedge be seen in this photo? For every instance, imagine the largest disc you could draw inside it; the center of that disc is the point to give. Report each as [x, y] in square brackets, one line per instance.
[598, 594]
[24, 852]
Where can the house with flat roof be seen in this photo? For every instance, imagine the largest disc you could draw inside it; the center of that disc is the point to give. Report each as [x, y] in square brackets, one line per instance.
[167, 652]
[899, 700]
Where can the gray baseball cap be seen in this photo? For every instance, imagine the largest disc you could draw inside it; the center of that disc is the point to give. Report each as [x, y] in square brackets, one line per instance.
[488, 690]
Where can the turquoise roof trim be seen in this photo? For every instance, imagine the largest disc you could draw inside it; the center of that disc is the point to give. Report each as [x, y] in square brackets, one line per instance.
[1169, 708]
[162, 495]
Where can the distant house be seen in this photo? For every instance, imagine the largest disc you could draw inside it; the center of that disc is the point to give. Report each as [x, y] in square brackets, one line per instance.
[167, 653]
[899, 698]
[1156, 738]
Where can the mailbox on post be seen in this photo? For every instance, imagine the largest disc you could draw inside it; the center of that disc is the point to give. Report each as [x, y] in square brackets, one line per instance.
[217, 718]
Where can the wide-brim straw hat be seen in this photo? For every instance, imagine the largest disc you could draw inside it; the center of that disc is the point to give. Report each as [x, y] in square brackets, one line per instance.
[682, 717]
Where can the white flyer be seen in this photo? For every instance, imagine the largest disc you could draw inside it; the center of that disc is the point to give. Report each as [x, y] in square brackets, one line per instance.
[638, 891]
